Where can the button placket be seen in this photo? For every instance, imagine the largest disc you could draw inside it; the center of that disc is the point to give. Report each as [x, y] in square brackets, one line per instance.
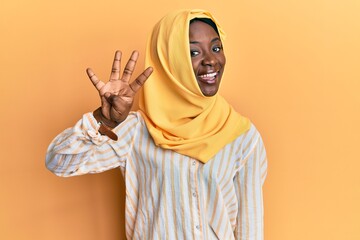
[195, 196]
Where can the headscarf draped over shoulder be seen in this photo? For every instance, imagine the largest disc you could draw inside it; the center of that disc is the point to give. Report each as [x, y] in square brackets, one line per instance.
[178, 116]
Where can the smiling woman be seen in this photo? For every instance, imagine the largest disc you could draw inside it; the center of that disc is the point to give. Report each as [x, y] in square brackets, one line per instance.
[207, 56]
[193, 166]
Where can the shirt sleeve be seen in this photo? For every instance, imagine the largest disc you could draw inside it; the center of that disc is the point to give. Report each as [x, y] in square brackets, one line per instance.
[81, 149]
[248, 184]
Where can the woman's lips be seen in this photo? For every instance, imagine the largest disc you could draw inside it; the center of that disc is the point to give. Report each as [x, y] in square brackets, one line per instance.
[209, 78]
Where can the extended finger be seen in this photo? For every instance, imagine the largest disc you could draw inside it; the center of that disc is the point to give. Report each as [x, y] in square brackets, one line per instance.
[140, 80]
[95, 81]
[130, 66]
[115, 70]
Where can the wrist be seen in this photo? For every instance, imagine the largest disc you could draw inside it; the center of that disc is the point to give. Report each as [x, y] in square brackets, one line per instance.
[105, 125]
[100, 118]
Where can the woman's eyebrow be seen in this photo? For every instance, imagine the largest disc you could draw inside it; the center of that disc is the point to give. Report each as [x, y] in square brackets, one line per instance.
[213, 40]
[216, 39]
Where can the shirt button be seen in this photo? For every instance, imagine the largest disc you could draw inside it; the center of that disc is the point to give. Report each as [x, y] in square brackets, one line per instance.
[197, 227]
[193, 163]
[194, 194]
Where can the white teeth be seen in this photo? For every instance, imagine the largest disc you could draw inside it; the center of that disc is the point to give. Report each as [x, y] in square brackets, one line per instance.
[209, 75]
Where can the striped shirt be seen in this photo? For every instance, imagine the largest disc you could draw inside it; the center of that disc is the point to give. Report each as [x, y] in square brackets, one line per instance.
[169, 195]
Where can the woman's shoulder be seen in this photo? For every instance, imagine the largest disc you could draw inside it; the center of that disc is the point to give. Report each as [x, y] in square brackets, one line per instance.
[248, 140]
[252, 134]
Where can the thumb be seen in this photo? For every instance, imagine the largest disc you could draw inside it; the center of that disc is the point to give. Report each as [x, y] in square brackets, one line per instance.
[107, 95]
[111, 98]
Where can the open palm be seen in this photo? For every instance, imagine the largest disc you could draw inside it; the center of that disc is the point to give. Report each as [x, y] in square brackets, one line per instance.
[117, 95]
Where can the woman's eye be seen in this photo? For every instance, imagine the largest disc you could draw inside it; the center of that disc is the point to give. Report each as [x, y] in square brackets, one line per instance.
[217, 49]
[194, 53]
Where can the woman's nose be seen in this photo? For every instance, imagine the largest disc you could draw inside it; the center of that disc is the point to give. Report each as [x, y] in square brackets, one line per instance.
[209, 59]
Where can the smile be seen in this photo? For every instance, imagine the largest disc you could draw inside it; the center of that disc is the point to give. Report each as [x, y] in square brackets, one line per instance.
[209, 78]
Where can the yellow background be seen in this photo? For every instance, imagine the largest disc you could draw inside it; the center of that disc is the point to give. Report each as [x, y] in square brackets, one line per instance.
[292, 67]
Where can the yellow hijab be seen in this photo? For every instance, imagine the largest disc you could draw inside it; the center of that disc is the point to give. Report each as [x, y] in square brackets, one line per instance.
[178, 116]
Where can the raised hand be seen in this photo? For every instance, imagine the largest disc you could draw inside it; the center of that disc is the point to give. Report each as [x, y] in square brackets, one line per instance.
[117, 95]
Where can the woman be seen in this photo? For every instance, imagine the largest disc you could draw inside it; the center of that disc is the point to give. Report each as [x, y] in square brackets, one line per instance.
[193, 166]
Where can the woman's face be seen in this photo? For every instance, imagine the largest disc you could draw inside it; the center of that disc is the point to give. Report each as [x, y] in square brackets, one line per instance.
[207, 57]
